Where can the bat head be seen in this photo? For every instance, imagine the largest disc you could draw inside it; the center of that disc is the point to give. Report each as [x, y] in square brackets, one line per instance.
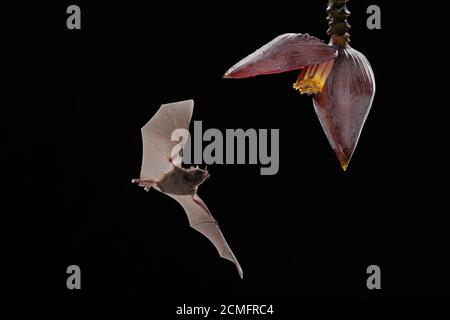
[197, 176]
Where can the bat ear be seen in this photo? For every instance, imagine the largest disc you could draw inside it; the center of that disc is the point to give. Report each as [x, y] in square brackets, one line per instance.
[206, 174]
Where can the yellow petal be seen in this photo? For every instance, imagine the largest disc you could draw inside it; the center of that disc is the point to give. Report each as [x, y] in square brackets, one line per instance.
[312, 78]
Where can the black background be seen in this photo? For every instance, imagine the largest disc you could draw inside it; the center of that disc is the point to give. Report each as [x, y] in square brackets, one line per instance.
[79, 98]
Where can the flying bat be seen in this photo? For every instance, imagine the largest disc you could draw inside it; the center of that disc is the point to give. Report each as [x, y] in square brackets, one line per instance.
[162, 170]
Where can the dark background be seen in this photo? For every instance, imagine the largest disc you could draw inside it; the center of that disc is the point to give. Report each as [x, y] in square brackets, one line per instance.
[79, 98]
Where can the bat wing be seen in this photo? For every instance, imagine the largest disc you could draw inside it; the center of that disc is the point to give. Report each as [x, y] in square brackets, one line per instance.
[157, 139]
[200, 219]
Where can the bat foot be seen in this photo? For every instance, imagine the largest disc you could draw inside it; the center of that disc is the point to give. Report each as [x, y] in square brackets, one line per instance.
[147, 184]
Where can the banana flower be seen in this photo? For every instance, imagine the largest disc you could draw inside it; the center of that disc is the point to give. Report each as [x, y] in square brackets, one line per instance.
[338, 77]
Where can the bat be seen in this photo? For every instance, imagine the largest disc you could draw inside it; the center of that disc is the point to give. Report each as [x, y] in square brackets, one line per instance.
[162, 170]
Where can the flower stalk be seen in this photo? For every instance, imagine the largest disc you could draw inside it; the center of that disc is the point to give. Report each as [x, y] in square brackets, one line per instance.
[337, 22]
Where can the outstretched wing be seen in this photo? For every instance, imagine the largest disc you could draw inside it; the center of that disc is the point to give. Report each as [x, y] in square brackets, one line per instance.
[157, 139]
[200, 219]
